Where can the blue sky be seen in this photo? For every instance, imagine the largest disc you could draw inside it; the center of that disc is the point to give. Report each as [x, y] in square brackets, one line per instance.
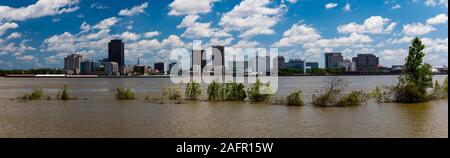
[40, 33]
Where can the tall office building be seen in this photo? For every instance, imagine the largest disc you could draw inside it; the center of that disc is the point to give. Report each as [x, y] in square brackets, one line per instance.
[72, 64]
[366, 62]
[311, 65]
[116, 52]
[89, 67]
[198, 61]
[333, 60]
[160, 67]
[219, 61]
[111, 68]
[281, 61]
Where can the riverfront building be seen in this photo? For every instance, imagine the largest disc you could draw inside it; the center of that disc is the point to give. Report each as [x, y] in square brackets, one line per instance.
[72, 64]
[89, 67]
[333, 60]
[159, 66]
[111, 68]
[116, 52]
[366, 62]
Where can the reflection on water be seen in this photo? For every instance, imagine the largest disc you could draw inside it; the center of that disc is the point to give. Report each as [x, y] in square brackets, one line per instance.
[102, 116]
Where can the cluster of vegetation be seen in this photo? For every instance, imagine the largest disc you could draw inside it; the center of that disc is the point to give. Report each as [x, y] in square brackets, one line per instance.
[36, 94]
[124, 94]
[332, 95]
[289, 71]
[64, 94]
[172, 93]
[295, 99]
[415, 82]
[193, 91]
[226, 92]
[31, 71]
[259, 92]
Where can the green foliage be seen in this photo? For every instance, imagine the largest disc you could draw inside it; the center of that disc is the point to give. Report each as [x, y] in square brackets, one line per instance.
[36, 94]
[124, 94]
[193, 91]
[294, 99]
[172, 93]
[215, 91]
[417, 75]
[235, 92]
[408, 93]
[353, 98]
[31, 71]
[289, 71]
[317, 71]
[439, 92]
[259, 92]
[65, 93]
[445, 87]
[329, 94]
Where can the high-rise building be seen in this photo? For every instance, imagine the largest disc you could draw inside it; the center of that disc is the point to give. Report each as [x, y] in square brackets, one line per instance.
[72, 64]
[89, 67]
[198, 61]
[333, 60]
[116, 52]
[311, 65]
[298, 64]
[281, 61]
[159, 66]
[111, 68]
[219, 61]
[366, 62]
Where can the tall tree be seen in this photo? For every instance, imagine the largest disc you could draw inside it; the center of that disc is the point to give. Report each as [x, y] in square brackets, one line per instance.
[417, 72]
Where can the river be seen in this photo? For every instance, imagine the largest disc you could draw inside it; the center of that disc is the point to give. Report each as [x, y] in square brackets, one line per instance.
[98, 114]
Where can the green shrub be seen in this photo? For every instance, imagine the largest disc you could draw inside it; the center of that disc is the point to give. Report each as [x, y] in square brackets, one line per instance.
[295, 99]
[215, 91]
[329, 95]
[445, 87]
[124, 94]
[354, 98]
[193, 91]
[259, 92]
[36, 94]
[235, 92]
[65, 93]
[172, 93]
[408, 93]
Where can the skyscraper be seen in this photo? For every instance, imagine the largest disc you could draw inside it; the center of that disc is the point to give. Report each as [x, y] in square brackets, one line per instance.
[366, 62]
[116, 52]
[333, 60]
[72, 64]
[219, 61]
[160, 67]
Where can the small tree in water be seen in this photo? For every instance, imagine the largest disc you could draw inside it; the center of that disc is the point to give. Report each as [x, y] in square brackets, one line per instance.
[193, 91]
[417, 78]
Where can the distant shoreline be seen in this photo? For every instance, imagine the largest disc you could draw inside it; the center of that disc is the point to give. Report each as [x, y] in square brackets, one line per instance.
[107, 77]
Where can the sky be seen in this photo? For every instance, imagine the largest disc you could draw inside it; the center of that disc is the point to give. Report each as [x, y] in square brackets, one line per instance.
[40, 33]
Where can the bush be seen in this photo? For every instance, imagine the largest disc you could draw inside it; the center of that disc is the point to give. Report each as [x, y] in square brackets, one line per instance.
[259, 92]
[65, 93]
[445, 87]
[125, 94]
[193, 91]
[235, 92]
[295, 99]
[215, 91]
[172, 93]
[408, 93]
[36, 94]
[329, 94]
[354, 98]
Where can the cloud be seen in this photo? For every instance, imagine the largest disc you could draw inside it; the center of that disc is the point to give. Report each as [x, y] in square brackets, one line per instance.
[298, 34]
[6, 26]
[136, 10]
[347, 7]
[151, 34]
[99, 6]
[433, 3]
[14, 35]
[397, 6]
[105, 24]
[39, 9]
[438, 19]
[252, 17]
[416, 29]
[186, 7]
[372, 25]
[130, 36]
[330, 5]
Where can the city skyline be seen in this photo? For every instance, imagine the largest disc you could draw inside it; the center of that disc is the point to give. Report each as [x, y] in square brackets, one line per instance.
[150, 29]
